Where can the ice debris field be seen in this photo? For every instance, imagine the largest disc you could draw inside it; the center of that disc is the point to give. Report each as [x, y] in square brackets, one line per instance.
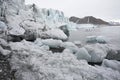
[34, 46]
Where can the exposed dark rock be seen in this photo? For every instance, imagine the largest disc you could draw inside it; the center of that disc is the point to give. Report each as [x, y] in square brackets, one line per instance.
[14, 38]
[30, 35]
[5, 69]
[88, 19]
[112, 55]
[60, 49]
[94, 63]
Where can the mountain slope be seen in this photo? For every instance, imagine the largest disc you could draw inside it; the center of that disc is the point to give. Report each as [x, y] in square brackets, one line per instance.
[87, 19]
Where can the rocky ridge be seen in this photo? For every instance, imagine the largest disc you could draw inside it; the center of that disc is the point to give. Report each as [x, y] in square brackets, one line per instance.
[88, 20]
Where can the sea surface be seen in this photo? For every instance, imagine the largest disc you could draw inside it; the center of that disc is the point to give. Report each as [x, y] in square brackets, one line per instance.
[112, 34]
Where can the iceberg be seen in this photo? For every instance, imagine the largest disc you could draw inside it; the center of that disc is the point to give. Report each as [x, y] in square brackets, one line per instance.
[113, 64]
[71, 46]
[96, 39]
[54, 33]
[52, 43]
[91, 39]
[98, 52]
[82, 54]
[78, 43]
[3, 26]
[101, 39]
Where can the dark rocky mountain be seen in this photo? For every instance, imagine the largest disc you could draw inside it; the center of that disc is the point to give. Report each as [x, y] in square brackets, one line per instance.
[88, 19]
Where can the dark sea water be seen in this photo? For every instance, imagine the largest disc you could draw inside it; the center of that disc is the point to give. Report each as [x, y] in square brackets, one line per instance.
[112, 34]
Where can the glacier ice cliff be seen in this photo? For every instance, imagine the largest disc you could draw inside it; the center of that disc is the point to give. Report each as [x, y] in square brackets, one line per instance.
[24, 19]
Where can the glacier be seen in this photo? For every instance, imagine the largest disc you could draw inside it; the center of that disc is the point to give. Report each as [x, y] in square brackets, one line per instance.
[26, 35]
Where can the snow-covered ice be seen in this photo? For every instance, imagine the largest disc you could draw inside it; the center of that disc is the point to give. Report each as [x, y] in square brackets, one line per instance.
[3, 43]
[91, 39]
[97, 51]
[34, 60]
[3, 26]
[90, 52]
[111, 64]
[82, 53]
[4, 51]
[71, 46]
[52, 43]
[96, 39]
[78, 43]
[54, 33]
[101, 39]
[32, 63]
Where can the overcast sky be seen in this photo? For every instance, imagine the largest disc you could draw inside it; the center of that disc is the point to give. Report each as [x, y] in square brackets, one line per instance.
[105, 9]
